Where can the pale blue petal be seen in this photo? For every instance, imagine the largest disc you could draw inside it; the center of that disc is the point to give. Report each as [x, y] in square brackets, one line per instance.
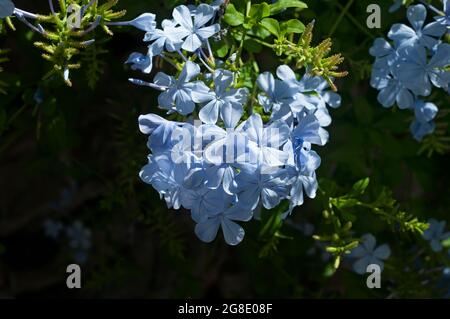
[232, 232]
[207, 231]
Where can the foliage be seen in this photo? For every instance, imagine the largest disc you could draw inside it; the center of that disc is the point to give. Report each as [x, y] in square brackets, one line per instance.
[71, 154]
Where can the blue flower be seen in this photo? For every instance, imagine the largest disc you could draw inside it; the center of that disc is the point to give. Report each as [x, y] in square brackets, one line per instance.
[193, 28]
[445, 19]
[177, 96]
[393, 90]
[167, 38]
[167, 178]
[435, 234]
[418, 75]
[159, 130]
[302, 169]
[228, 102]
[79, 240]
[425, 111]
[271, 186]
[140, 62]
[279, 94]
[427, 36]
[367, 253]
[233, 233]
[267, 141]
[6, 8]
[53, 228]
[145, 22]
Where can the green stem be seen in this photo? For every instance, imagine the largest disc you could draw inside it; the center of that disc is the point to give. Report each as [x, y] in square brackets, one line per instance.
[341, 16]
[244, 35]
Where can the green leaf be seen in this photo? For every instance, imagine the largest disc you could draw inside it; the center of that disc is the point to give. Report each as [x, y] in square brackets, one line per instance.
[233, 17]
[260, 32]
[344, 202]
[221, 48]
[446, 243]
[271, 25]
[281, 5]
[252, 46]
[273, 224]
[292, 26]
[259, 11]
[360, 186]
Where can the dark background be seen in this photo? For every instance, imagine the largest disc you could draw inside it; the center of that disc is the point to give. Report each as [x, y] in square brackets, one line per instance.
[76, 156]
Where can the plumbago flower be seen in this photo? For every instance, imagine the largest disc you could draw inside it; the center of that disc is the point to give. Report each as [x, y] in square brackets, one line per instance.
[367, 253]
[407, 68]
[230, 153]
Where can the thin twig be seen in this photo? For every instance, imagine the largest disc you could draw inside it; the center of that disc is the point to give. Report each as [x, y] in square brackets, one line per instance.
[25, 14]
[38, 29]
[52, 8]
[148, 84]
[92, 26]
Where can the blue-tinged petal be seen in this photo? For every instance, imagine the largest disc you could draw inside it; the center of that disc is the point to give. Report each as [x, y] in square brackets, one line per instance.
[436, 245]
[164, 80]
[203, 14]
[402, 35]
[232, 232]
[223, 79]
[415, 78]
[207, 231]
[190, 71]
[270, 198]
[192, 43]
[182, 16]
[309, 130]
[273, 157]
[6, 8]
[183, 102]
[375, 261]
[145, 22]
[239, 213]
[388, 95]
[323, 116]
[434, 29]
[369, 242]
[207, 32]
[253, 127]
[214, 176]
[201, 93]
[405, 99]
[358, 252]
[380, 48]
[231, 113]
[286, 74]
[276, 134]
[157, 47]
[416, 16]
[209, 114]
[332, 99]
[382, 252]
[360, 266]
[425, 111]
[166, 99]
[228, 180]
[310, 185]
[140, 62]
[441, 58]
[266, 82]
[420, 129]
[149, 122]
